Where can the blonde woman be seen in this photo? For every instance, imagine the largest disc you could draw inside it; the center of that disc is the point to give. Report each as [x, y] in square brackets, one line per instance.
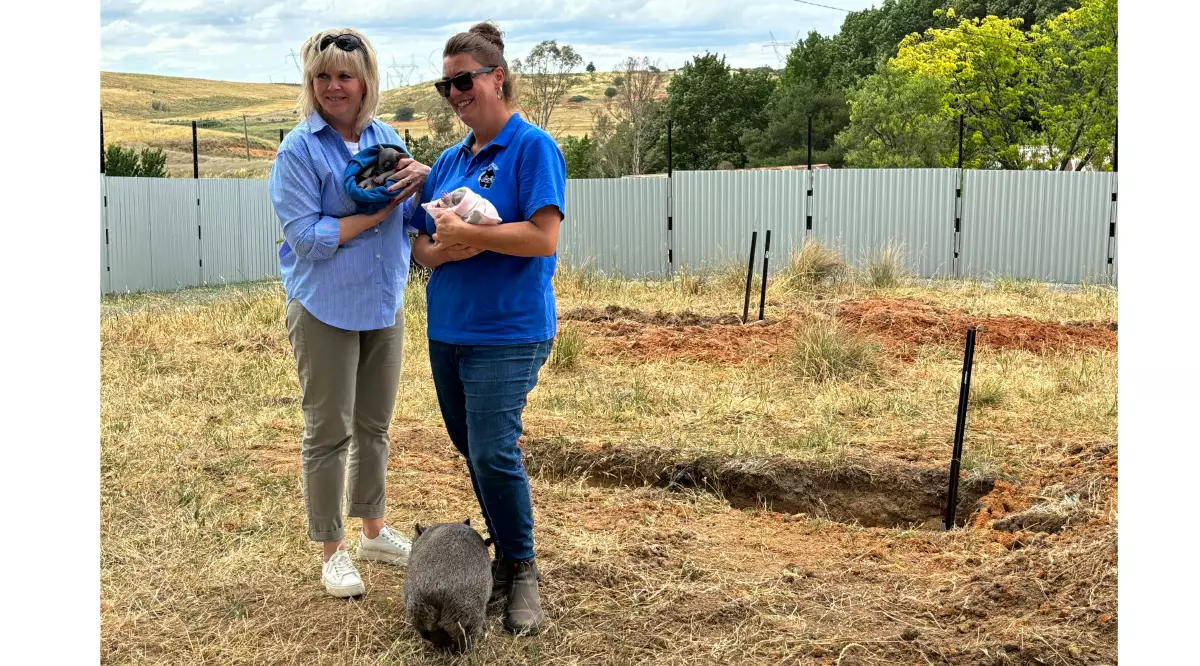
[344, 274]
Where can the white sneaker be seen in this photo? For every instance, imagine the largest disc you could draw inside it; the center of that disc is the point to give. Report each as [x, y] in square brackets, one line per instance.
[340, 577]
[388, 547]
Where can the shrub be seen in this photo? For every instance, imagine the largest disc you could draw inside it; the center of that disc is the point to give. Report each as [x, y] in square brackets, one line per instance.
[405, 114]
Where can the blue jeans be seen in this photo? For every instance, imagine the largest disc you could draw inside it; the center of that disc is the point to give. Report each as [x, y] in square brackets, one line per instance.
[482, 391]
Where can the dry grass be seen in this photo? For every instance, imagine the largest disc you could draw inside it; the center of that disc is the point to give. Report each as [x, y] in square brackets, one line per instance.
[886, 268]
[204, 557]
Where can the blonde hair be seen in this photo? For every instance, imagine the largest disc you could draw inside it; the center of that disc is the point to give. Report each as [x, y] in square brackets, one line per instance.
[360, 61]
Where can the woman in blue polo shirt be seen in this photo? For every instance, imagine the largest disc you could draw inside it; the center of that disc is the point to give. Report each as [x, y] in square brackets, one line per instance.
[491, 302]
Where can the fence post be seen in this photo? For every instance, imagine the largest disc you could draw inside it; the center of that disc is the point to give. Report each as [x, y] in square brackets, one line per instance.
[101, 140]
[960, 429]
[670, 201]
[808, 195]
[195, 153]
[1110, 266]
[246, 135]
[958, 202]
[281, 136]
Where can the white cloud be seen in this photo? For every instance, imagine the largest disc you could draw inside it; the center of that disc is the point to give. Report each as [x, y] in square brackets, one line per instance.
[250, 40]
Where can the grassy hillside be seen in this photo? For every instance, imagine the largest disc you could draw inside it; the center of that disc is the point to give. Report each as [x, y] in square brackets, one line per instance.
[147, 110]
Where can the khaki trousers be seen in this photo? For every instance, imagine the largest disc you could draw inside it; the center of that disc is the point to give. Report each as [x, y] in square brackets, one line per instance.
[349, 381]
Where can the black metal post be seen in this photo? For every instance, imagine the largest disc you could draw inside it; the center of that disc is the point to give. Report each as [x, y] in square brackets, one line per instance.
[670, 199]
[960, 429]
[281, 135]
[961, 124]
[749, 276]
[195, 153]
[1114, 146]
[407, 139]
[246, 134]
[670, 151]
[101, 140]
[810, 143]
[762, 297]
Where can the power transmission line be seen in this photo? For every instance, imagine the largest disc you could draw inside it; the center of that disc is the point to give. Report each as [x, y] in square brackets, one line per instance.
[839, 9]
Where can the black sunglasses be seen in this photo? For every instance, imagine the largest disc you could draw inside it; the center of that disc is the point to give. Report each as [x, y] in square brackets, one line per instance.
[344, 42]
[463, 82]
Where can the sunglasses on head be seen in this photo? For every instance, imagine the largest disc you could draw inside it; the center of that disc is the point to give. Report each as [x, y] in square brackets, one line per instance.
[463, 82]
[344, 42]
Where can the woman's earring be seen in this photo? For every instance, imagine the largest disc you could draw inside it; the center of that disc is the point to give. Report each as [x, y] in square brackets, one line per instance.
[500, 93]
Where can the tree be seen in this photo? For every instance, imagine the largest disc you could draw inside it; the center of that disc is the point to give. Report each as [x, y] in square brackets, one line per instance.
[1043, 98]
[580, 154]
[444, 131]
[119, 161]
[1077, 104]
[806, 90]
[989, 67]
[899, 120]
[404, 114]
[634, 118]
[591, 70]
[546, 75]
[151, 163]
[712, 106]
[610, 92]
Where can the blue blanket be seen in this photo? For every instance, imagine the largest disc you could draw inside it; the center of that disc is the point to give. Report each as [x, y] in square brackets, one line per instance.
[369, 201]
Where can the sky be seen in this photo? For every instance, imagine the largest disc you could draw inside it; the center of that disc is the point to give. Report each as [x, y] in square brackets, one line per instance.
[250, 40]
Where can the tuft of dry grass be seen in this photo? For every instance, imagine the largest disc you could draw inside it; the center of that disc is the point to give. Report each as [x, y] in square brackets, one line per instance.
[814, 265]
[886, 268]
[824, 351]
[568, 348]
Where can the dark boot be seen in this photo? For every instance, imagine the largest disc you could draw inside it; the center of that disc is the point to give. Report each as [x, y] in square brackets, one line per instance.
[523, 615]
[501, 579]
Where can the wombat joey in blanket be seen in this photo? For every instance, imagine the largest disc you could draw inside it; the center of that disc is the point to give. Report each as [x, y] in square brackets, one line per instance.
[384, 167]
[452, 199]
[448, 584]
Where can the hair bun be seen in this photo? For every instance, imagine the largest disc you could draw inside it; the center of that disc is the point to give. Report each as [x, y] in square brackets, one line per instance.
[490, 32]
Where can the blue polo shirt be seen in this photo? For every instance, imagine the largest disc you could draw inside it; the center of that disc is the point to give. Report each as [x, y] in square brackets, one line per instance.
[493, 298]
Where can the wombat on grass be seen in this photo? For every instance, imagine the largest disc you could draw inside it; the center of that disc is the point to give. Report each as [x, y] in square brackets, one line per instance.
[448, 583]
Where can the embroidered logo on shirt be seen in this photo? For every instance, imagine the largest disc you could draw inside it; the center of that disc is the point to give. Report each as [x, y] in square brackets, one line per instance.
[488, 176]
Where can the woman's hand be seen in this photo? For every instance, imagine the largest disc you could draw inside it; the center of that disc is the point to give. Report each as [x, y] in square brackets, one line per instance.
[432, 254]
[451, 229]
[455, 252]
[350, 227]
[410, 178]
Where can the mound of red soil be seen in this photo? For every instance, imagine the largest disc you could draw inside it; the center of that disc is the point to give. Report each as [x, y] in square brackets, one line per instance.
[908, 323]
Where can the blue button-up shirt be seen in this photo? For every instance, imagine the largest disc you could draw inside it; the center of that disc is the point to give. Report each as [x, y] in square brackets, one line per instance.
[358, 286]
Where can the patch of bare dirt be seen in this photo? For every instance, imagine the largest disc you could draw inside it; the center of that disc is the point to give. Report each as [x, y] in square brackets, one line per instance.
[681, 336]
[617, 313]
[716, 343]
[906, 323]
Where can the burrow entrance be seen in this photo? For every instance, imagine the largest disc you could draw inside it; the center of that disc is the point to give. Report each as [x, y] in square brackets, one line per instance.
[891, 495]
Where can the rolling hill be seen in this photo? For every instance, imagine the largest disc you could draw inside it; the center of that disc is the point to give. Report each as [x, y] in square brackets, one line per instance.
[235, 118]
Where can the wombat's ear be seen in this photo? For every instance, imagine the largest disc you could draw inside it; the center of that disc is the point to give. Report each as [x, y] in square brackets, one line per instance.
[417, 529]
